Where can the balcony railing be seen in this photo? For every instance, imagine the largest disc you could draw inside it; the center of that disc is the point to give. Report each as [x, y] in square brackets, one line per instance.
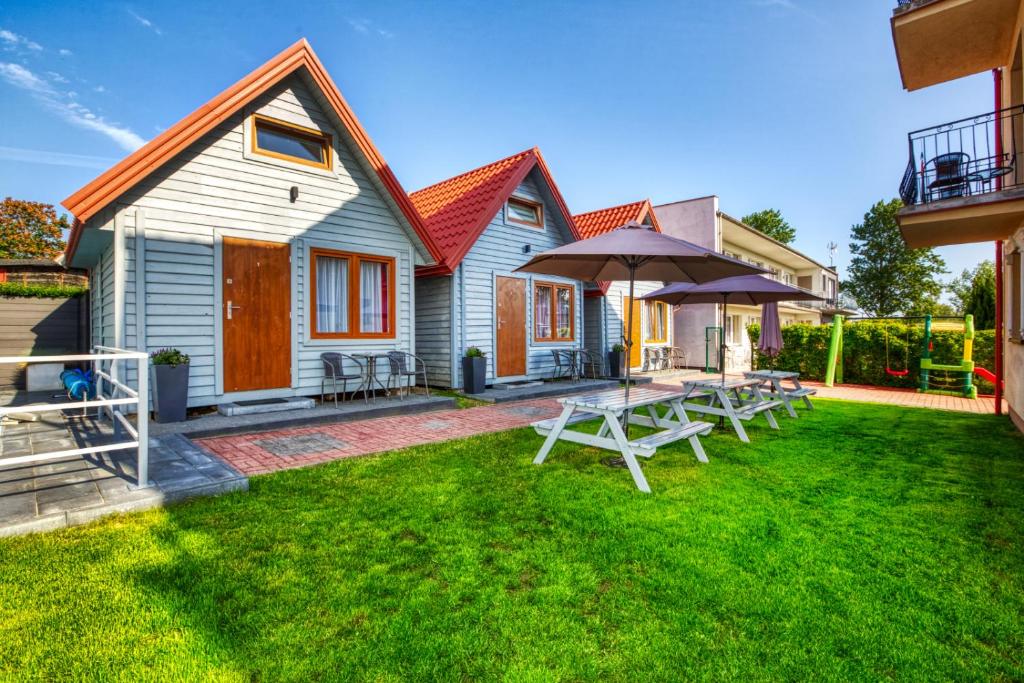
[972, 156]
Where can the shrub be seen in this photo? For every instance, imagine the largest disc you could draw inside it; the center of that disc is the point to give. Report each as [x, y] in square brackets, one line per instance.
[169, 357]
[619, 348]
[39, 291]
[805, 350]
[474, 352]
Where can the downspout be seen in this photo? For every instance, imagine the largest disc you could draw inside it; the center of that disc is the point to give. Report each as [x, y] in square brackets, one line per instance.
[462, 321]
[997, 77]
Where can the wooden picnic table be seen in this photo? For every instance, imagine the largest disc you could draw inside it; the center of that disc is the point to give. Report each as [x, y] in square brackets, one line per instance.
[787, 395]
[735, 399]
[610, 406]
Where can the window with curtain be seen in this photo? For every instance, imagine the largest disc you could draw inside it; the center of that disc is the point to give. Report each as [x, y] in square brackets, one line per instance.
[657, 322]
[352, 295]
[554, 312]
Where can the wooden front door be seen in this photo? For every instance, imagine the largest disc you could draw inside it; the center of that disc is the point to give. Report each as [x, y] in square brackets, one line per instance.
[637, 349]
[511, 342]
[256, 291]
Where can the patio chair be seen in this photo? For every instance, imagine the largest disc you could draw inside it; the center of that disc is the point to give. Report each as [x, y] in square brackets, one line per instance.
[950, 172]
[334, 370]
[675, 357]
[407, 366]
[592, 362]
[563, 366]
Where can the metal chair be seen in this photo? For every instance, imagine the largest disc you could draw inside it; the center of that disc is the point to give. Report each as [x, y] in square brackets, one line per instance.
[562, 364]
[950, 171]
[334, 369]
[399, 365]
[588, 360]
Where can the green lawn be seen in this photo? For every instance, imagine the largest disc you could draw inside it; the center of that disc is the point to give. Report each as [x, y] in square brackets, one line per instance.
[860, 542]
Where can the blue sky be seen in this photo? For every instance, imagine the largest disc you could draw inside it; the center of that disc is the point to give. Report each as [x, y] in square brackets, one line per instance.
[792, 104]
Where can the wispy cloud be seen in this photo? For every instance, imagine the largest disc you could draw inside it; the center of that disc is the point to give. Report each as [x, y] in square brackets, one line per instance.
[785, 4]
[42, 156]
[64, 52]
[56, 77]
[366, 27]
[65, 105]
[99, 88]
[144, 21]
[10, 40]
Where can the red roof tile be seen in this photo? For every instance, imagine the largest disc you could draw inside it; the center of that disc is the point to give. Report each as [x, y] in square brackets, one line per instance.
[455, 212]
[594, 223]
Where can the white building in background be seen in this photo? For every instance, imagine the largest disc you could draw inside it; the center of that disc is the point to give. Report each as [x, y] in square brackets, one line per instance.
[697, 325]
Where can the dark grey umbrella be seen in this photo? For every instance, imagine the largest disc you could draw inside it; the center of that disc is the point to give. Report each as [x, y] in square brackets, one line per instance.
[752, 290]
[636, 252]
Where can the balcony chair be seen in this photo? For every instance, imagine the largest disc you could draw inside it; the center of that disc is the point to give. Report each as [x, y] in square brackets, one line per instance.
[950, 171]
[334, 370]
[590, 362]
[406, 366]
[675, 357]
[564, 368]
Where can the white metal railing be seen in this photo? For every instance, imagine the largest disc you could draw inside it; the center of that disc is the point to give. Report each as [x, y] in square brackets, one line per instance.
[111, 395]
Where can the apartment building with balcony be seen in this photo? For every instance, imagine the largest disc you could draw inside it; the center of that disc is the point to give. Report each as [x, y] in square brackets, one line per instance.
[963, 182]
[696, 326]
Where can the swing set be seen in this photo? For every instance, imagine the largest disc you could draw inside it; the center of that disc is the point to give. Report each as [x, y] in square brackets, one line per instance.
[935, 378]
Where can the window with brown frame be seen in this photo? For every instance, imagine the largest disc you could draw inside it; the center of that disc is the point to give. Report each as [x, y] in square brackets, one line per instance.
[288, 141]
[657, 322]
[1015, 328]
[352, 296]
[554, 312]
[524, 212]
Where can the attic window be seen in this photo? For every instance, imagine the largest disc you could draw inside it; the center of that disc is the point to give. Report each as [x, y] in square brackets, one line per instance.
[290, 142]
[524, 212]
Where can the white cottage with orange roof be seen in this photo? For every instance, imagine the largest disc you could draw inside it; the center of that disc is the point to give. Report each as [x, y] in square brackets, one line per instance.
[487, 222]
[256, 233]
[606, 304]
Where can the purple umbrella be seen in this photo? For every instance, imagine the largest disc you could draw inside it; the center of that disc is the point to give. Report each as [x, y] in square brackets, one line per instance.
[752, 290]
[770, 341]
[637, 252]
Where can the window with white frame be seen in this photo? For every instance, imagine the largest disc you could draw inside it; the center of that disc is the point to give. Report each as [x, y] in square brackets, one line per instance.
[734, 329]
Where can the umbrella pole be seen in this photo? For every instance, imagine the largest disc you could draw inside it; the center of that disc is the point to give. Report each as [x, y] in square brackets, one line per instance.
[721, 351]
[629, 344]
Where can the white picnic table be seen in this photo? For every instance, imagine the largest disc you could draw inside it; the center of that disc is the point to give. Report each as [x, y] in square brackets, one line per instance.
[610, 406]
[735, 399]
[787, 395]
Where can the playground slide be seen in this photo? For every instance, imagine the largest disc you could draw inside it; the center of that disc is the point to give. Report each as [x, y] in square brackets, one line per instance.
[985, 374]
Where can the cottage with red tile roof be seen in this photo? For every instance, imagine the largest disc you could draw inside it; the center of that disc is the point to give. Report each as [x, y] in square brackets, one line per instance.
[486, 223]
[605, 303]
[255, 234]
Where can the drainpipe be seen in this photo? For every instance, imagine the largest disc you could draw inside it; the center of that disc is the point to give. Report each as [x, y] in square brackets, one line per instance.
[997, 77]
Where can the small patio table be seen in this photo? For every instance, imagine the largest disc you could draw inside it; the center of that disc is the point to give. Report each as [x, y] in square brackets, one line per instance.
[787, 395]
[610, 406]
[371, 378]
[736, 399]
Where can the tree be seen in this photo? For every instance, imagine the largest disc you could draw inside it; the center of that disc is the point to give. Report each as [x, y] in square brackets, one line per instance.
[885, 276]
[974, 292]
[771, 223]
[30, 229]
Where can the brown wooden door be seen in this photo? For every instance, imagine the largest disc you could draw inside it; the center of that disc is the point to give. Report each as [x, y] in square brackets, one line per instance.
[257, 295]
[636, 350]
[511, 343]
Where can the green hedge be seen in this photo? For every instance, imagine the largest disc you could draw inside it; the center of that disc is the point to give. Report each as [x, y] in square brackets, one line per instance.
[39, 291]
[805, 350]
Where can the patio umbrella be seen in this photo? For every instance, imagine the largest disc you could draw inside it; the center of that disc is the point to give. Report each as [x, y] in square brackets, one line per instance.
[770, 341]
[636, 252]
[752, 290]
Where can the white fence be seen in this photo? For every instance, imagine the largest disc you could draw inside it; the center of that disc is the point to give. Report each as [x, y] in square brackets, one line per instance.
[108, 365]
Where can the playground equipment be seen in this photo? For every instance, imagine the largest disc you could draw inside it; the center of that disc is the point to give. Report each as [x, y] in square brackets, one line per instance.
[935, 378]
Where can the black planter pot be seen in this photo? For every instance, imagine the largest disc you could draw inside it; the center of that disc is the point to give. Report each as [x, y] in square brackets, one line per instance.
[615, 364]
[170, 392]
[474, 375]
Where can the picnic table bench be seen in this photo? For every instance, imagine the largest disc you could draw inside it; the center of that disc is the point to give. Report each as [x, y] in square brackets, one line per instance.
[610, 406]
[738, 400]
[787, 394]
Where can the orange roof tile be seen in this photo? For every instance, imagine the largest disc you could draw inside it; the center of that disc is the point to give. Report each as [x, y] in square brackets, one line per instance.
[131, 170]
[456, 211]
[594, 223]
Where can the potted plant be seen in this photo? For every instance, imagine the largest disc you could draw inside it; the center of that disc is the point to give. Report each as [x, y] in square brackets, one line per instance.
[615, 361]
[170, 388]
[474, 371]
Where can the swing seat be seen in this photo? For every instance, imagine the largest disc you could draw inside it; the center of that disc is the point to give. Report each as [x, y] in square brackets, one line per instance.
[897, 373]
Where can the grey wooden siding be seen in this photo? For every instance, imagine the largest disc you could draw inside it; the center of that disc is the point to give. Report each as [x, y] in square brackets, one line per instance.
[498, 252]
[594, 329]
[215, 189]
[434, 328]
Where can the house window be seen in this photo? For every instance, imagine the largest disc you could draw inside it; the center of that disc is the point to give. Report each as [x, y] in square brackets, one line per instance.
[524, 212]
[352, 295]
[290, 142]
[554, 312]
[734, 329]
[656, 331]
[1016, 297]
